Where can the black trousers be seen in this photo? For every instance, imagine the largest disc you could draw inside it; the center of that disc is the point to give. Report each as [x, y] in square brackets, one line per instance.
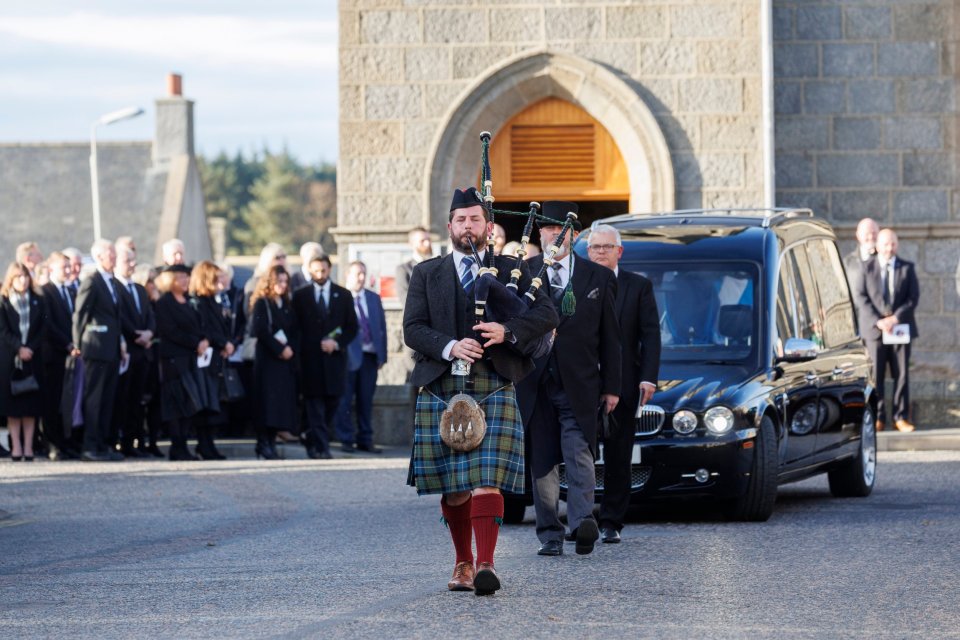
[129, 409]
[896, 357]
[617, 463]
[321, 414]
[99, 394]
[52, 388]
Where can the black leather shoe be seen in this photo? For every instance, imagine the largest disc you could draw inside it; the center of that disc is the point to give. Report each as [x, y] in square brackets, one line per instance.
[571, 536]
[130, 452]
[587, 534]
[609, 535]
[551, 548]
[93, 456]
[369, 448]
[114, 456]
[313, 454]
[347, 448]
[152, 450]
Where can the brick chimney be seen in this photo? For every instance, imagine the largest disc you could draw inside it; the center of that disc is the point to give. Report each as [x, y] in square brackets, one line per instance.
[174, 134]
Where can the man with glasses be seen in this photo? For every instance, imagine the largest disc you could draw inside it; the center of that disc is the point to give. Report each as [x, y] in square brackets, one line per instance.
[640, 335]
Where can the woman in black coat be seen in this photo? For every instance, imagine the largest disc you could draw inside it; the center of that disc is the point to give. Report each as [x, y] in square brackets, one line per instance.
[183, 392]
[205, 284]
[274, 367]
[22, 315]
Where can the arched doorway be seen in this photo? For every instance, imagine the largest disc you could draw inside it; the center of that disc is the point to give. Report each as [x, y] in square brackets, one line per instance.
[510, 87]
[554, 150]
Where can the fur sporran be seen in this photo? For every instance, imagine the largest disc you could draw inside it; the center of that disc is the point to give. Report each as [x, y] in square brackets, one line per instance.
[463, 423]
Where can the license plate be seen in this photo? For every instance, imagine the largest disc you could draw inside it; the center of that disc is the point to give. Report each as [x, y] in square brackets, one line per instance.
[634, 458]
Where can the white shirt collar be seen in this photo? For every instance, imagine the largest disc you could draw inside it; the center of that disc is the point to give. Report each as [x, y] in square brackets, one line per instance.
[893, 262]
[106, 274]
[458, 258]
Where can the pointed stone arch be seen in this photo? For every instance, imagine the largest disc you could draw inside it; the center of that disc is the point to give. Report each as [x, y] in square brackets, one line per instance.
[517, 82]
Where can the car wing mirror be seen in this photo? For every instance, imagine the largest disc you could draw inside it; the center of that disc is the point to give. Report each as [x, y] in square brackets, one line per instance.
[799, 350]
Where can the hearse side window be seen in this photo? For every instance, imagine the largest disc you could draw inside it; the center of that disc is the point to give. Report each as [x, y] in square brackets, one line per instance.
[810, 320]
[802, 306]
[837, 310]
[786, 304]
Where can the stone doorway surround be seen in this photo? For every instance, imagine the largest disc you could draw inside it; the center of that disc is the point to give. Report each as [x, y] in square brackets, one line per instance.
[519, 81]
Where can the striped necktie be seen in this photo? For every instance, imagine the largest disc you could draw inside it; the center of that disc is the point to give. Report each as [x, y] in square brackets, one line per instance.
[466, 279]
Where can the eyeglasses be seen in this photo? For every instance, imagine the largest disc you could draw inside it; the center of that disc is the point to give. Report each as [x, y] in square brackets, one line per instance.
[602, 247]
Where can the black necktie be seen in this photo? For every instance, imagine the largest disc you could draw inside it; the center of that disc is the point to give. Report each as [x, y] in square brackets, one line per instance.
[888, 283]
[556, 283]
[136, 298]
[67, 300]
[320, 302]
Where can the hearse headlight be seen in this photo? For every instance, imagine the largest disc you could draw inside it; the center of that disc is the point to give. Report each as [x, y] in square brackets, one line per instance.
[684, 421]
[719, 420]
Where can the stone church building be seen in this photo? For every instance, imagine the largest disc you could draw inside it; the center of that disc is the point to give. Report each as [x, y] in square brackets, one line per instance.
[847, 107]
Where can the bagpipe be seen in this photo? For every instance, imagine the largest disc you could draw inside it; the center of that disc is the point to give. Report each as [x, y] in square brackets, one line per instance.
[501, 302]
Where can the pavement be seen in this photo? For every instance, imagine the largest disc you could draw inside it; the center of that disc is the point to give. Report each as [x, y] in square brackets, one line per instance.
[343, 549]
[243, 448]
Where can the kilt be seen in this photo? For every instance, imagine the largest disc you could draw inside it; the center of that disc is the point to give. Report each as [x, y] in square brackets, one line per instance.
[497, 462]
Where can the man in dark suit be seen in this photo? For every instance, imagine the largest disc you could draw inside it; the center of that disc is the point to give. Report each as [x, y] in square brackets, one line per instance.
[455, 353]
[419, 241]
[97, 336]
[886, 295]
[640, 361]
[579, 376]
[365, 355]
[327, 325]
[57, 345]
[302, 277]
[867, 230]
[139, 326]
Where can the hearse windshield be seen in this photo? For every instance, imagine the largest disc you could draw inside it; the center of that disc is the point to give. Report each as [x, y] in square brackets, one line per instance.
[707, 310]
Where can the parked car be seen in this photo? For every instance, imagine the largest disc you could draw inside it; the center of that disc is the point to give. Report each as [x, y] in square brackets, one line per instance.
[763, 379]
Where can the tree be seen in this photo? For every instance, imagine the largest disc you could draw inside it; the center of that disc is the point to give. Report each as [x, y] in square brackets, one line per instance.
[270, 198]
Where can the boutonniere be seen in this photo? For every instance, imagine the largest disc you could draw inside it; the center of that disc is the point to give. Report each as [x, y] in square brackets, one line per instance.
[593, 295]
[336, 295]
[336, 333]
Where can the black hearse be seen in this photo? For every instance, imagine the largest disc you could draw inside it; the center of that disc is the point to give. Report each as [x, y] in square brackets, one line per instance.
[763, 379]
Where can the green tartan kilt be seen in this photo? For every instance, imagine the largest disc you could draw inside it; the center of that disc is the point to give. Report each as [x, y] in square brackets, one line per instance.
[497, 462]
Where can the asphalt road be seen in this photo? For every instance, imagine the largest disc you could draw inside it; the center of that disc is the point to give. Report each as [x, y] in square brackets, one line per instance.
[304, 549]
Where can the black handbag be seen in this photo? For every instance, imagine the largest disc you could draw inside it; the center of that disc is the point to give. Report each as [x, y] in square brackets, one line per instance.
[231, 387]
[24, 385]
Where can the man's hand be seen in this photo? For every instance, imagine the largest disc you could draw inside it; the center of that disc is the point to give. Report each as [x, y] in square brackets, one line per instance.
[494, 332]
[887, 324]
[329, 345]
[75, 352]
[25, 353]
[144, 336]
[646, 392]
[287, 353]
[610, 400]
[467, 349]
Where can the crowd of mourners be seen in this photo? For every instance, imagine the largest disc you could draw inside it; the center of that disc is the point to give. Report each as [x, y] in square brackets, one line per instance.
[102, 357]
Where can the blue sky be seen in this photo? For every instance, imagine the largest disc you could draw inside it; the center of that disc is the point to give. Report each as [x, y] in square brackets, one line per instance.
[260, 73]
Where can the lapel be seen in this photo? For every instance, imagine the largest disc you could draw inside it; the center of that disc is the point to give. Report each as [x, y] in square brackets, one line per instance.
[581, 280]
[623, 288]
[444, 280]
[899, 272]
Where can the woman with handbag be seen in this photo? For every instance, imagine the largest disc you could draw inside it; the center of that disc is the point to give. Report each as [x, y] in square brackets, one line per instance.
[274, 367]
[22, 314]
[183, 389]
[205, 284]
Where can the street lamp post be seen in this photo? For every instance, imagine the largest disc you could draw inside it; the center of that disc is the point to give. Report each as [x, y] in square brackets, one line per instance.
[110, 118]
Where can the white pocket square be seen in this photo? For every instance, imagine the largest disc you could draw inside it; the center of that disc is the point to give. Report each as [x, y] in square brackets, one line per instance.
[593, 295]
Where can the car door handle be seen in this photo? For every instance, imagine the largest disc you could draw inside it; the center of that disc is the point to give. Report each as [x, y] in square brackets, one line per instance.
[841, 372]
[810, 377]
